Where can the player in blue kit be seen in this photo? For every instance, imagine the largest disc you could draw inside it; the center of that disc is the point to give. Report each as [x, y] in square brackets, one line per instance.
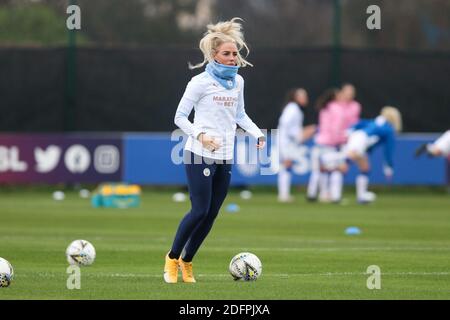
[217, 96]
[364, 137]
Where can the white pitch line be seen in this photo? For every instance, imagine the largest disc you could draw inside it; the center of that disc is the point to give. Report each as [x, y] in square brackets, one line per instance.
[208, 275]
[286, 275]
[365, 249]
[331, 249]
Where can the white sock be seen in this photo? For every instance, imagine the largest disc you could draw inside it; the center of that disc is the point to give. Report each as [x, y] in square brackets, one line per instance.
[362, 182]
[336, 181]
[313, 184]
[284, 183]
[324, 185]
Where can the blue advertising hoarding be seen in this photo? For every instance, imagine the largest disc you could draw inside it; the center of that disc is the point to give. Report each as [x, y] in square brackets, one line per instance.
[149, 161]
[156, 159]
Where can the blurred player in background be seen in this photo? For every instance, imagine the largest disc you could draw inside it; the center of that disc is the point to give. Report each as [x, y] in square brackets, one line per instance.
[323, 142]
[291, 133]
[367, 135]
[338, 111]
[217, 94]
[439, 148]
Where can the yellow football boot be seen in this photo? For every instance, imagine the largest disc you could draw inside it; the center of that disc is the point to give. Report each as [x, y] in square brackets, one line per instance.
[171, 270]
[186, 271]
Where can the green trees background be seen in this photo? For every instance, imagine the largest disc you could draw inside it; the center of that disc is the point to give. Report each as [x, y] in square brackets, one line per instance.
[406, 24]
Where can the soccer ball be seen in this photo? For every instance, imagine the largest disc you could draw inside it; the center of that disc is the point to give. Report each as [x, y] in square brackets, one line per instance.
[246, 194]
[80, 252]
[179, 197]
[6, 273]
[245, 266]
[58, 195]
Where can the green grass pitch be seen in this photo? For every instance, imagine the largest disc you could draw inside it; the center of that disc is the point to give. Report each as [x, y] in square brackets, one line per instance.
[302, 246]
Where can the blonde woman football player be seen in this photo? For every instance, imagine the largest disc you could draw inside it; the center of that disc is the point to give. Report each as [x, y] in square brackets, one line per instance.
[217, 96]
[365, 137]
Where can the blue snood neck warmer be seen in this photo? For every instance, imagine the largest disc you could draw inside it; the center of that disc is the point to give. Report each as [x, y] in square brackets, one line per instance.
[225, 75]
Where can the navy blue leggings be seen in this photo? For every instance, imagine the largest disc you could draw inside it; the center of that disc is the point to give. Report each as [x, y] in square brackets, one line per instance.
[208, 182]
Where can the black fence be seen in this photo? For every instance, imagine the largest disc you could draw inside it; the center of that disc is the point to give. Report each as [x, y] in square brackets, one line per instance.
[138, 89]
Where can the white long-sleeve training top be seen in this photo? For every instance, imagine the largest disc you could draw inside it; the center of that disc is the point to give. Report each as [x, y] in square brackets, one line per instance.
[217, 111]
[290, 126]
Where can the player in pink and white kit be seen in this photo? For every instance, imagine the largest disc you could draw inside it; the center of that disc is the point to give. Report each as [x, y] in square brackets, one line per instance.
[335, 118]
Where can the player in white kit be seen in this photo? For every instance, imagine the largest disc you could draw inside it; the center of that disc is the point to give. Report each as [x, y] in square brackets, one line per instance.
[291, 133]
[217, 97]
[439, 148]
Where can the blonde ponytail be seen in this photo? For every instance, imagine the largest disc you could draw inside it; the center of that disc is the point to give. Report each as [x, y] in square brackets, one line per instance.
[393, 116]
[217, 34]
